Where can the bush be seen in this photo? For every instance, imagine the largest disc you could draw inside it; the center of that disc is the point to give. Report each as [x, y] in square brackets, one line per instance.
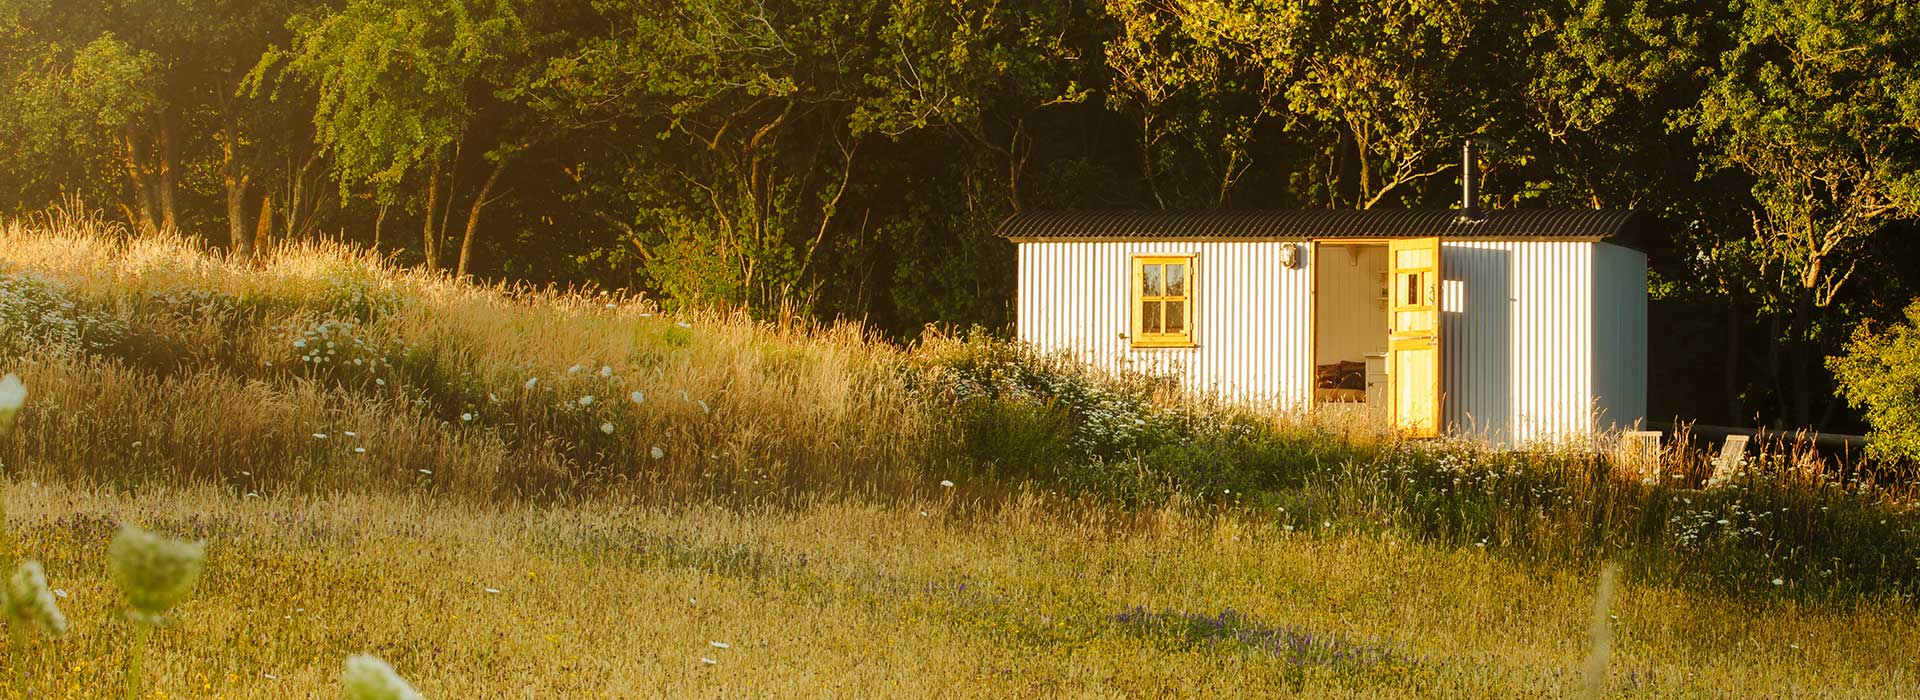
[1880, 375]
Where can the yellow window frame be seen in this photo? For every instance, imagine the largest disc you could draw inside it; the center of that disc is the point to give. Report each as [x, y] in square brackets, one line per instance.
[1140, 297]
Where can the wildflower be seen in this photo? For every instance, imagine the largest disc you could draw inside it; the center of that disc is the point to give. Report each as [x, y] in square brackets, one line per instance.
[29, 601]
[586, 400]
[684, 324]
[948, 483]
[532, 381]
[350, 433]
[606, 428]
[638, 397]
[709, 662]
[428, 472]
[606, 372]
[154, 572]
[493, 590]
[319, 436]
[359, 450]
[574, 369]
[381, 382]
[13, 394]
[658, 453]
[368, 678]
[1779, 582]
[466, 417]
[720, 645]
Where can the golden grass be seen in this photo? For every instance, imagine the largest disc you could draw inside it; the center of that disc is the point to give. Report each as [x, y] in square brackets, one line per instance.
[852, 600]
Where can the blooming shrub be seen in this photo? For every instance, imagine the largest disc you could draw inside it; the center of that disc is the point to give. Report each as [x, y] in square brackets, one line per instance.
[341, 351]
[38, 315]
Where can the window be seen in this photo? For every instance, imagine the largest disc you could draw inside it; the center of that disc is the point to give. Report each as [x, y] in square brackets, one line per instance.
[1162, 301]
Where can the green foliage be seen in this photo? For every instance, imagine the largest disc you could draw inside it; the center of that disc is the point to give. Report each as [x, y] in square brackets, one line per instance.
[1880, 374]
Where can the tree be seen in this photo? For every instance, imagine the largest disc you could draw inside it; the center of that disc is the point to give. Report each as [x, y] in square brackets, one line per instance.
[1199, 76]
[1815, 103]
[1880, 374]
[411, 89]
[755, 144]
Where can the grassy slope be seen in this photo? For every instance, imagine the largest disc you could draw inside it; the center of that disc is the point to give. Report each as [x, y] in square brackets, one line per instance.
[880, 601]
[787, 499]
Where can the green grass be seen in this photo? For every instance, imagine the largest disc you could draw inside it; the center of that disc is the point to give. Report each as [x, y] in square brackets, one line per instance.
[368, 450]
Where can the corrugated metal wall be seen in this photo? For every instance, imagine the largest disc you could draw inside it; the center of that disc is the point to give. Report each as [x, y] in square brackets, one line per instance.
[1517, 339]
[1251, 314]
[1531, 329]
[1620, 335]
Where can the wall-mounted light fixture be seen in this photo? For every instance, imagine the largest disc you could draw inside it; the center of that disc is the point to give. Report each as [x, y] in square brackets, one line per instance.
[1290, 256]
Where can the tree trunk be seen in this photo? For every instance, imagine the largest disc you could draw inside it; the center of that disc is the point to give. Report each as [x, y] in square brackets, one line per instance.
[136, 163]
[166, 180]
[1732, 362]
[427, 234]
[264, 230]
[239, 233]
[473, 217]
[379, 219]
[1803, 340]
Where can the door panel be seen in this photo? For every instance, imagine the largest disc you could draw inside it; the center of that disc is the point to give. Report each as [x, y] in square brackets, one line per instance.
[1413, 343]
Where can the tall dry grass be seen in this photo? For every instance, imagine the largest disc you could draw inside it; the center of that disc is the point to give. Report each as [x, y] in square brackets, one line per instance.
[189, 373]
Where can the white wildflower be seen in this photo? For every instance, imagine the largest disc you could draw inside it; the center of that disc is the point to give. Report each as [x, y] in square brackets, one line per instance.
[638, 397]
[466, 417]
[29, 602]
[574, 369]
[659, 453]
[606, 428]
[154, 572]
[586, 400]
[532, 381]
[319, 436]
[13, 395]
[709, 662]
[720, 645]
[948, 483]
[368, 678]
[606, 372]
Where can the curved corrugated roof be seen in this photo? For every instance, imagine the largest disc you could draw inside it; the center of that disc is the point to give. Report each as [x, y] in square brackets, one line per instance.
[1562, 224]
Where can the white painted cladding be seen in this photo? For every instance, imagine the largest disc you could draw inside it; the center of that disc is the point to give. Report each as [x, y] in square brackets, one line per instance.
[1543, 341]
[1250, 328]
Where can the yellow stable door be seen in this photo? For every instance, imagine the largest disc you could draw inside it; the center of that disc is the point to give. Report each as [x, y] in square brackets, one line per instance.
[1413, 339]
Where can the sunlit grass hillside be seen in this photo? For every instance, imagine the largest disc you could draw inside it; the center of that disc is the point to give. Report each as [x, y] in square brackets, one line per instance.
[511, 492]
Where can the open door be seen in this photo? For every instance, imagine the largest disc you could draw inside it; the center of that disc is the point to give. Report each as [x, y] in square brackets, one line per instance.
[1413, 340]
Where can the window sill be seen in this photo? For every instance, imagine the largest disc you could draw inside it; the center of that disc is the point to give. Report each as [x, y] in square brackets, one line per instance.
[1168, 345]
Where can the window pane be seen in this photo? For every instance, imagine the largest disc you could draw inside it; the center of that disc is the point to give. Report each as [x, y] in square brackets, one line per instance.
[1176, 316]
[1410, 289]
[1176, 280]
[1150, 317]
[1150, 280]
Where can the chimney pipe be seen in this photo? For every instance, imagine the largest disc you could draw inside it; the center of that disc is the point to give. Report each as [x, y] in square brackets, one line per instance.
[1469, 179]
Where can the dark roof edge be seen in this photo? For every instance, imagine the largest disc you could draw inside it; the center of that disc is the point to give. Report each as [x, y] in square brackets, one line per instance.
[1320, 224]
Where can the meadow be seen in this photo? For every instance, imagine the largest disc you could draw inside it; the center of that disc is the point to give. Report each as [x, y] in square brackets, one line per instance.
[511, 492]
